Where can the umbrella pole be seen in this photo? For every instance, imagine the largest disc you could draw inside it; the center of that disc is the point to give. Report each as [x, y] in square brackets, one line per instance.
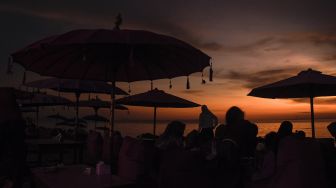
[112, 107]
[312, 116]
[154, 127]
[77, 122]
[96, 114]
[37, 116]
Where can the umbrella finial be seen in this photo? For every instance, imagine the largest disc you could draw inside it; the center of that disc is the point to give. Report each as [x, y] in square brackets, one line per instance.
[118, 22]
[188, 83]
[10, 65]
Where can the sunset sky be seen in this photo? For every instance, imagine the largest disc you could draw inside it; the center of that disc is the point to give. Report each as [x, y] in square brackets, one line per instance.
[252, 42]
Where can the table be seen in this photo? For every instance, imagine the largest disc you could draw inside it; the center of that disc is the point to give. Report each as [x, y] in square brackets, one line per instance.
[74, 177]
[54, 145]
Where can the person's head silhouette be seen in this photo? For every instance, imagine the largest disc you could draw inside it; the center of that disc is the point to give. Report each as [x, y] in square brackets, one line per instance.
[234, 115]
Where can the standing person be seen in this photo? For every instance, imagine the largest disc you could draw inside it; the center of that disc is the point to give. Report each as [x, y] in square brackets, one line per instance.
[207, 121]
[12, 135]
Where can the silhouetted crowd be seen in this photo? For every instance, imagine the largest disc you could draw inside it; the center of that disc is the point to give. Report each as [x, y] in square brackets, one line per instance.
[225, 155]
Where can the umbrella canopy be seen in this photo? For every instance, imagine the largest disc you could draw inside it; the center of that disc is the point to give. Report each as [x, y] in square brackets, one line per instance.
[98, 103]
[70, 124]
[40, 99]
[157, 99]
[112, 55]
[307, 84]
[57, 116]
[95, 118]
[75, 86]
[27, 110]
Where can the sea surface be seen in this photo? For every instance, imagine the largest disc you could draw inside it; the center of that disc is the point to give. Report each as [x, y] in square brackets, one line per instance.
[134, 129]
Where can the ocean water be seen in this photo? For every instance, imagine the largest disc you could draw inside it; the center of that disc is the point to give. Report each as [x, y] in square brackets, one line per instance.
[134, 129]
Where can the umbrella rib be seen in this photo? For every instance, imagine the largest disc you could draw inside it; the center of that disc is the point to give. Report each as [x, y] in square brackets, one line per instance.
[52, 64]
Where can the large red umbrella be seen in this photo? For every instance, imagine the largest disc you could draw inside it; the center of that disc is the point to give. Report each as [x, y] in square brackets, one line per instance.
[40, 99]
[76, 86]
[157, 99]
[307, 84]
[112, 55]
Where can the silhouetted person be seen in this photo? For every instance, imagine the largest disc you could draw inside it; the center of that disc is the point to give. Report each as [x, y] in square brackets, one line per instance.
[172, 137]
[285, 129]
[207, 121]
[239, 130]
[192, 140]
[269, 160]
[12, 135]
[300, 134]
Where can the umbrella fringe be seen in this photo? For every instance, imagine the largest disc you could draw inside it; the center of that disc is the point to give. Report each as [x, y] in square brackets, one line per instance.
[203, 81]
[211, 73]
[188, 83]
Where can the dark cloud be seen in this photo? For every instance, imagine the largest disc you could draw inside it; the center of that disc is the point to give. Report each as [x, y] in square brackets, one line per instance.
[276, 43]
[255, 79]
[105, 18]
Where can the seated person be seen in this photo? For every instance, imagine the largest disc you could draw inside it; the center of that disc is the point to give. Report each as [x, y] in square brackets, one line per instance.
[172, 137]
[285, 129]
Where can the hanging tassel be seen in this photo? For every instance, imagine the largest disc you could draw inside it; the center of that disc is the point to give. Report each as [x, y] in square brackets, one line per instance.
[89, 98]
[10, 66]
[170, 84]
[188, 84]
[203, 81]
[151, 84]
[24, 78]
[129, 88]
[211, 73]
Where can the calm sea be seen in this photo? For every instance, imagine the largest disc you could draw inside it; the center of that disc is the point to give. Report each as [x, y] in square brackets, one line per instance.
[135, 128]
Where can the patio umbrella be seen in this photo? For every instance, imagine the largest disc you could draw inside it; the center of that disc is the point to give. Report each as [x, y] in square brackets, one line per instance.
[75, 86]
[57, 116]
[157, 99]
[39, 100]
[27, 110]
[70, 124]
[96, 118]
[96, 104]
[307, 84]
[112, 55]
